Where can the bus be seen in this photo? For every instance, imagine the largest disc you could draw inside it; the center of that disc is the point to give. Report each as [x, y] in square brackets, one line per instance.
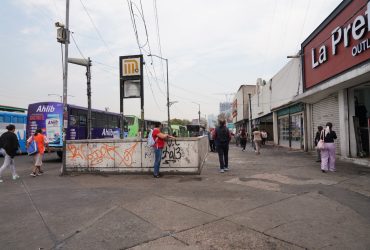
[133, 125]
[17, 119]
[49, 117]
[179, 131]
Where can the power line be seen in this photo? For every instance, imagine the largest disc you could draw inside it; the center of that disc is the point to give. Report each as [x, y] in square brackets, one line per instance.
[96, 29]
[158, 36]
[151, 88]
[75, 43]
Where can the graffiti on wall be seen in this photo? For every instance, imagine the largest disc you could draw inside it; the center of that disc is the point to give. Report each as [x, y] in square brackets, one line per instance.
[172, 152]
[97, 153]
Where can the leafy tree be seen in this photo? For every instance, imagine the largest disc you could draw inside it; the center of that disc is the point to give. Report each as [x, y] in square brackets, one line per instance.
[176, 121]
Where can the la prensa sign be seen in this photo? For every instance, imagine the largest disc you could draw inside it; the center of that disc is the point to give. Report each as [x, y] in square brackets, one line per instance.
[341, 42]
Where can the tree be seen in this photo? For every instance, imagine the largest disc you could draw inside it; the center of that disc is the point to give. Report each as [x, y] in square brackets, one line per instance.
[183, 122]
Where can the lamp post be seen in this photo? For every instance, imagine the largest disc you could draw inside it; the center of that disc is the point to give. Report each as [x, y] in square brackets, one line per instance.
[60, 96]
[198, 111]
[168, 92]
[87, 64]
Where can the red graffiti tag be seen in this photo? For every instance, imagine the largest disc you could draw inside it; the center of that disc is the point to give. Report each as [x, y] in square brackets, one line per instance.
[97, 154]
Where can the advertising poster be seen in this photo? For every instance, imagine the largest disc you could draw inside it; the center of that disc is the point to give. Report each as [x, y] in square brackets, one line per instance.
[47, 116]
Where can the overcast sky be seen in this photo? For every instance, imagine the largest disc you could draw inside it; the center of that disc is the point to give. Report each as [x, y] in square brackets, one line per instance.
[213, 47]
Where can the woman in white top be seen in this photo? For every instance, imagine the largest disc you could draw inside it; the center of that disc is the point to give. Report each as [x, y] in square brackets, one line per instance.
[257, 138]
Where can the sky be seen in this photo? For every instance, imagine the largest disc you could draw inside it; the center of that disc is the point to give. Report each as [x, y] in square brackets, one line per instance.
[212, 47]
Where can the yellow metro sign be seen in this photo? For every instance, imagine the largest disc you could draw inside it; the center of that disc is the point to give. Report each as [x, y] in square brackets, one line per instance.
[131, 67]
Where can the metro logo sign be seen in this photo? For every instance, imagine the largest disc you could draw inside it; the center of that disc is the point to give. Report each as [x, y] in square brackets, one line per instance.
[341, 42]
[131, 67]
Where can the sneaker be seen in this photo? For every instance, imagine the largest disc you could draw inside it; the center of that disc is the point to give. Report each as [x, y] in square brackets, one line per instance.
[15, 177]
[1, 181]
[227, 169]
[33, 174]
[221, 170]
[39, 174]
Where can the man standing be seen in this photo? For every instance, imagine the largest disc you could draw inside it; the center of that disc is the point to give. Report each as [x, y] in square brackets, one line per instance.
[159, 138]
[9, 143]
[222, 139]
[317, 139]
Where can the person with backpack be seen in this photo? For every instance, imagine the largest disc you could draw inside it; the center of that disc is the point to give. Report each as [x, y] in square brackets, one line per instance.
[222, 138]
[41, 142]
[156, 139]
[10, 145]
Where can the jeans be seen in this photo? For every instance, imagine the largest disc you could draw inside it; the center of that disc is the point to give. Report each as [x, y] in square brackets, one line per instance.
[8, 161]
[223, 155]
[157, 160]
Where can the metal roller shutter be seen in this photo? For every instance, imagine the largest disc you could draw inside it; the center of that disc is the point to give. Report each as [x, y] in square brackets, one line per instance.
[327, 110]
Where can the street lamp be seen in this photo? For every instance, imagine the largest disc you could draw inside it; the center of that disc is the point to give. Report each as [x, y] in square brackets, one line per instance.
[198, 111]
[86, 63]
[60, 96]
[168, 92]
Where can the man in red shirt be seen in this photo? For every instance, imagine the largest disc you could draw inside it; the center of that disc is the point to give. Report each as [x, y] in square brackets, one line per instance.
[159, 138]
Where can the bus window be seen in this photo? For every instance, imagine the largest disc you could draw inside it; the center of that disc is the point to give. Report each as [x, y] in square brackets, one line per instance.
[94, 121]
[7, 119]
[73, 119]
[1, 118]
[83, 121]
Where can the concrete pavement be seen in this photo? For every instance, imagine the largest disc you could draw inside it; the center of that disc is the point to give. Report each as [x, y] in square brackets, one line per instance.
[277, 200]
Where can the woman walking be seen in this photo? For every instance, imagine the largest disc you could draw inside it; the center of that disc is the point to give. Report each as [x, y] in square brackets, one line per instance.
[257, 138]
[328, 153]
[243, 138]
[9, 143]
[41, 142]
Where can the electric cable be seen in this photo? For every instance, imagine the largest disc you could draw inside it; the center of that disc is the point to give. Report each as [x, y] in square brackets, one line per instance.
[96, 29]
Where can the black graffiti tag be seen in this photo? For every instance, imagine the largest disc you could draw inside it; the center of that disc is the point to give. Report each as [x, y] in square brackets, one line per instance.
[172, 152]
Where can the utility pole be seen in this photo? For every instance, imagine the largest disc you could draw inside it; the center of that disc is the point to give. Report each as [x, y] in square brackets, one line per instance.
[63, 37]
[168, 95]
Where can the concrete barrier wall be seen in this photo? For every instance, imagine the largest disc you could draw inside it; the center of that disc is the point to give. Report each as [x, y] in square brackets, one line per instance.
[180, 155]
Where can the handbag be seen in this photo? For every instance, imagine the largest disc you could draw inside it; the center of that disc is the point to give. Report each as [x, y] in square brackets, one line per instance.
[32, 148]
[321, 143]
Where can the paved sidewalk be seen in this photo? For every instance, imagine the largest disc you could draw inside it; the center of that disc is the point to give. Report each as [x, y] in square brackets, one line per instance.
[277, 200]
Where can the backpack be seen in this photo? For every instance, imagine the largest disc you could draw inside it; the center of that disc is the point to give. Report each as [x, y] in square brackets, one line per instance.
[222, 134]
[151, 142]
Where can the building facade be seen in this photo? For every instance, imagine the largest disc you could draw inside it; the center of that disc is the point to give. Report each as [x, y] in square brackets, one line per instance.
[336, 77]
[241, 107]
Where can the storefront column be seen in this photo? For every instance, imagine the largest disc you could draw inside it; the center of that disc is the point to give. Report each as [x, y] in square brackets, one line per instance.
[275, 127]
[351, 128]
[308, 128]
[343, 122]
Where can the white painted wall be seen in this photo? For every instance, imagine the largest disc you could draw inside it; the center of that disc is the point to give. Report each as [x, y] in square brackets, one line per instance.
[182, 155]
[260, 101]
[286, 84]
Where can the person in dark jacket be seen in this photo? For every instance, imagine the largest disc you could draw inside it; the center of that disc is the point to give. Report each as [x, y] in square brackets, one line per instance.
[243, 138]
[328, 153]
[10, 145]
[222, 139]
[317, 139]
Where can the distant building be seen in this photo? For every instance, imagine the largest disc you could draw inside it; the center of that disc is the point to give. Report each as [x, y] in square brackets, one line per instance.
[226, 111]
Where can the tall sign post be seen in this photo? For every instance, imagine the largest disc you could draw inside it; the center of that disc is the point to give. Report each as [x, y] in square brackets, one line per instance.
[131, 84]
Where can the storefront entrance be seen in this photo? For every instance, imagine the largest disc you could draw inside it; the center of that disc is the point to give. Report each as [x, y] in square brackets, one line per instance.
[361, 118]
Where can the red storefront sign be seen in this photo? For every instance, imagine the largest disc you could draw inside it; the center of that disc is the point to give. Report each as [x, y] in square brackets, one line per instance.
[341, 42]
